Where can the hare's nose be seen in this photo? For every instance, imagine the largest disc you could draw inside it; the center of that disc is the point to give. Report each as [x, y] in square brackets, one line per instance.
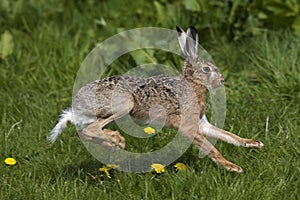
[221, 81]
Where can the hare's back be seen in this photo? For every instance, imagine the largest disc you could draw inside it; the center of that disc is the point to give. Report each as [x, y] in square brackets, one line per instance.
[95, 98]
[101, 98]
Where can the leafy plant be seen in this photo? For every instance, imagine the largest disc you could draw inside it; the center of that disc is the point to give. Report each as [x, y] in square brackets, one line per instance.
[235, 18]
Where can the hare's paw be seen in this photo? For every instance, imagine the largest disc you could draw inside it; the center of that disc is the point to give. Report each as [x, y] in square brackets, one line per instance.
[114, 139]
[253, 144]
[111, 140]
[233, 167]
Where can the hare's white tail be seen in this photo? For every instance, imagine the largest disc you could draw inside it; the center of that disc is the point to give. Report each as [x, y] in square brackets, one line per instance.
[62, 122]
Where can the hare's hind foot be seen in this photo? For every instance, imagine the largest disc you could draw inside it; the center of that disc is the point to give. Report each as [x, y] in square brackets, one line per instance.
[109, 139]
[115, 138]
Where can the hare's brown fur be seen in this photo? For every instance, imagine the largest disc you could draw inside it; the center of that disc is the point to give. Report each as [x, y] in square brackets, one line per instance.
[103, 101]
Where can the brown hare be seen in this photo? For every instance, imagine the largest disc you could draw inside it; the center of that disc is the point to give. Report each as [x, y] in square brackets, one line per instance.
[103, 101]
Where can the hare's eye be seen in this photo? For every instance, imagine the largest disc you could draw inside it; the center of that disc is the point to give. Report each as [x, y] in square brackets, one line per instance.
[206, 69]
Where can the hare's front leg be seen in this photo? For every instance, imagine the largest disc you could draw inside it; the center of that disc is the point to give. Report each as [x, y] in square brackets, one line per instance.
[211, 131]
[206, 147]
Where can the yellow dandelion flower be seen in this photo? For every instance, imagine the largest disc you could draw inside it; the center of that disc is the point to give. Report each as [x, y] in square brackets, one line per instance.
[180, 166]
[149, 130]
[10, 161]
[105, 170]
[159, 168]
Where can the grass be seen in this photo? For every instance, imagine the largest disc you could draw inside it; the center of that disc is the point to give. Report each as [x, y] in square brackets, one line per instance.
[262, 82]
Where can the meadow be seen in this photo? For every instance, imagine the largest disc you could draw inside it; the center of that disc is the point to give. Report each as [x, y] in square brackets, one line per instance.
[45, 44]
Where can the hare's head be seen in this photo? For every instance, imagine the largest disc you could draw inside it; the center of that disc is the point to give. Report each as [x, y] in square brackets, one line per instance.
[197, 69]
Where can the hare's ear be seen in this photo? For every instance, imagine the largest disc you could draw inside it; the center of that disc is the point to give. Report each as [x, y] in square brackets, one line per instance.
[192, 42]
[182, 36]
[188, 41]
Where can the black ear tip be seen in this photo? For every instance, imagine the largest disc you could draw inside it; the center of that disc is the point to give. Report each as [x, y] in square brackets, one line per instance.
[179, 30]
[193, 28]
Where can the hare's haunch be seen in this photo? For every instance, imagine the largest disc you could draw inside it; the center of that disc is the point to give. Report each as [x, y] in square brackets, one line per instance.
[183, 99]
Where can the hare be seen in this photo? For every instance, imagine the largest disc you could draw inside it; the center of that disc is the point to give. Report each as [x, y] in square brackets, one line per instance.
[103, 101]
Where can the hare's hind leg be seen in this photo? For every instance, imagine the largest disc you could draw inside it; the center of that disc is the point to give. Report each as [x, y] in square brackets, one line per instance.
[96, 133]
[211, 131]
[206, 147]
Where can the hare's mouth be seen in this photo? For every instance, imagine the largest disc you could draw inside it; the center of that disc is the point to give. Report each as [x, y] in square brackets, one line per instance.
[217, 84]
[221, 82]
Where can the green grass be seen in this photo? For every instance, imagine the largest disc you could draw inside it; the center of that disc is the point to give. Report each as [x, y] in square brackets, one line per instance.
[262, 76]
